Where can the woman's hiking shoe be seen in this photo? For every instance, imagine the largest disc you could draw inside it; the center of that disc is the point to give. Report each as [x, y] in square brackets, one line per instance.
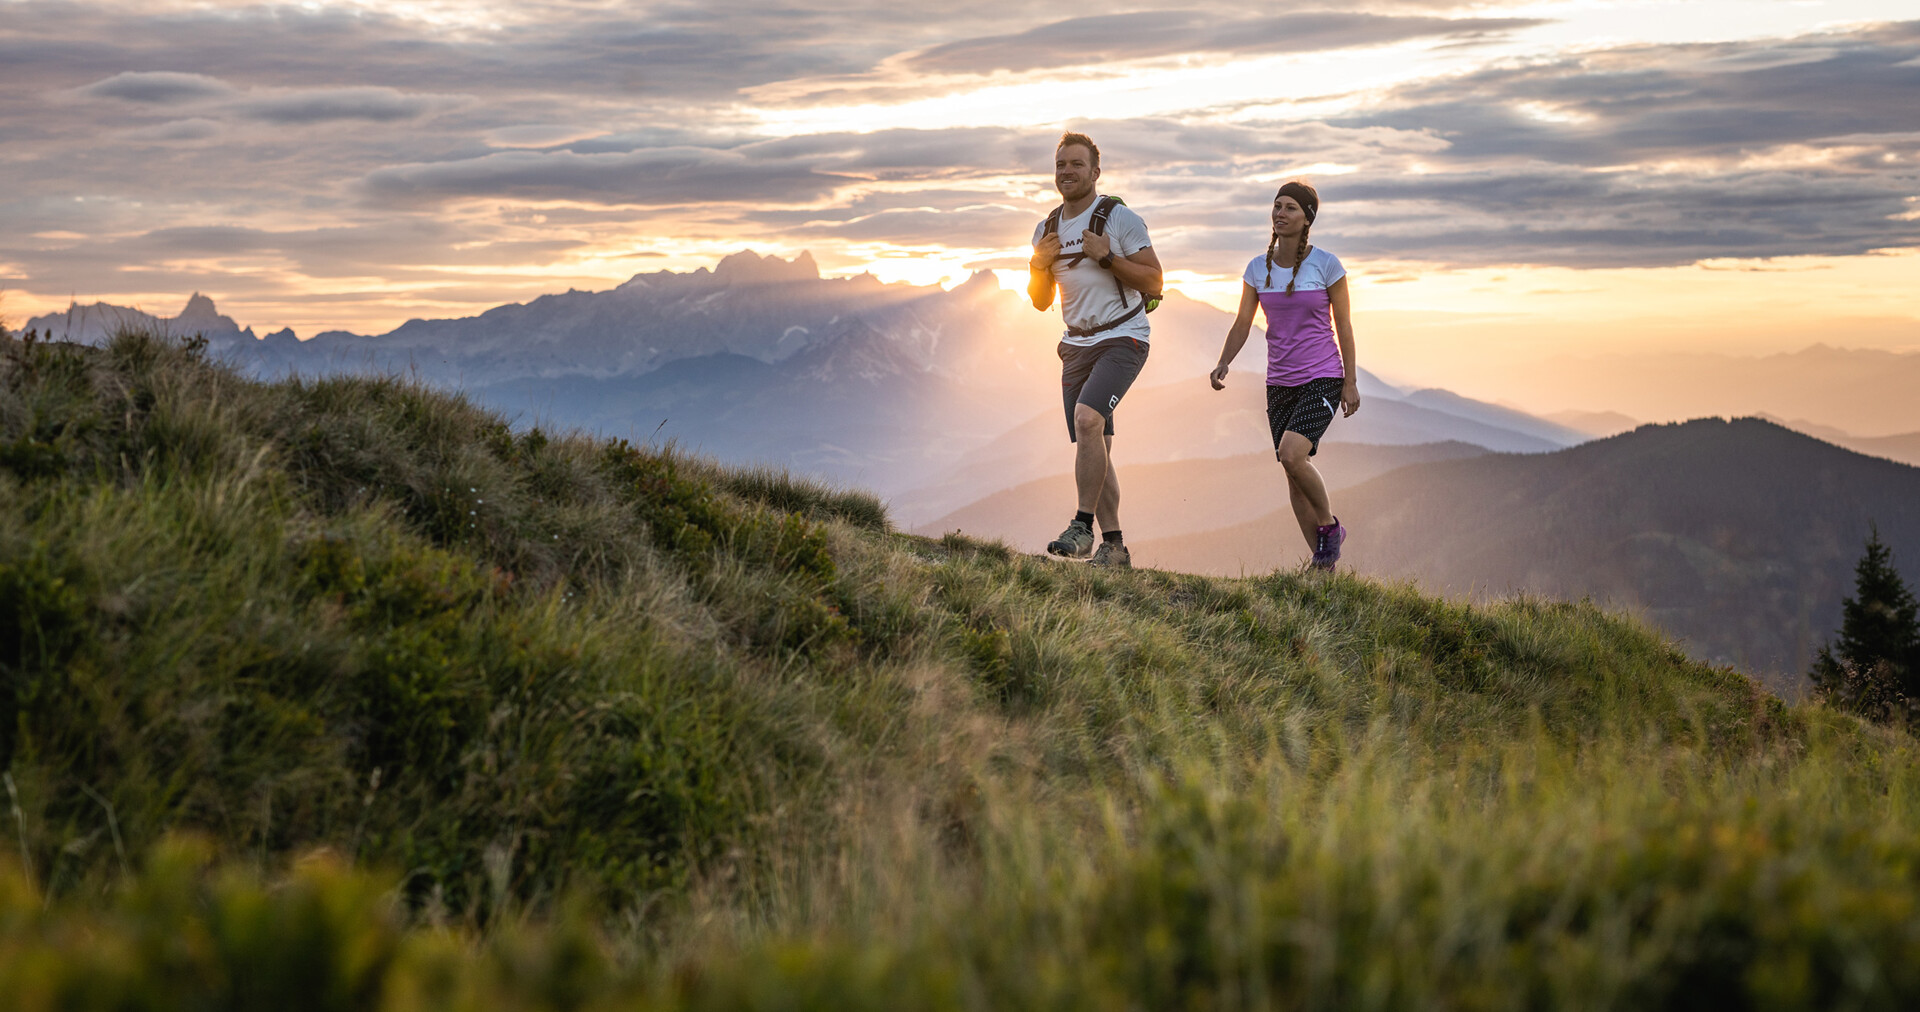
[1112, 553]
[1326, 550]
[1074, 542]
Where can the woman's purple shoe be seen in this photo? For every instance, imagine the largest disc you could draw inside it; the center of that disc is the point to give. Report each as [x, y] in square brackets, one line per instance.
[1326, 550]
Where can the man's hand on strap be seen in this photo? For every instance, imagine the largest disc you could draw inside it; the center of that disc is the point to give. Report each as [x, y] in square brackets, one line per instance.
[1045, 252]
[1095, 247]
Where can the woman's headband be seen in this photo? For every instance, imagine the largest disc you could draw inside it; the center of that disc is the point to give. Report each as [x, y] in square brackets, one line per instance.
[1303, 195]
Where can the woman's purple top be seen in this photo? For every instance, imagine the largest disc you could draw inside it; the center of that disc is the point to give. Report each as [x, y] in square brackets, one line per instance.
[1301, 345]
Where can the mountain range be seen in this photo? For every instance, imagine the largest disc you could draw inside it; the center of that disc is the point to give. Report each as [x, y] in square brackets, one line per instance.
[1738, 536]
[931, 397]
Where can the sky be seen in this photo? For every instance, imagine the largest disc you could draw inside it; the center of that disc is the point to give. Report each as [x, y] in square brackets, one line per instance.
[1503, 180]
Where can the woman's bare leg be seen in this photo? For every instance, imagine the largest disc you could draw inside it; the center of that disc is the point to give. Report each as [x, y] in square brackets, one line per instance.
[1304, 486]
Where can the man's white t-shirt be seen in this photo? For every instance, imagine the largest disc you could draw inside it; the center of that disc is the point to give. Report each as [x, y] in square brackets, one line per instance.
[1088, 296]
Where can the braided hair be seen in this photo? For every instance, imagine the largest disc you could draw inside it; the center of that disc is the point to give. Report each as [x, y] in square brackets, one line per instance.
[1299, 257]
[1309, 201]
[1272, 244]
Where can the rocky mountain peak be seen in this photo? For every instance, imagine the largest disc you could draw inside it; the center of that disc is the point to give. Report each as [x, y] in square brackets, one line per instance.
[199, 307]
[748, 267]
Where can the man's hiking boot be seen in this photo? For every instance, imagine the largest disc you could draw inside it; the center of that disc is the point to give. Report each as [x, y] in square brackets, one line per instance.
[1326, 550]
[1074, 542]
[1112, 553]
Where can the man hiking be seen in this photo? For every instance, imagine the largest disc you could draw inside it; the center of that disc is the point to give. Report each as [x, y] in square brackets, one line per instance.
[1097, 251]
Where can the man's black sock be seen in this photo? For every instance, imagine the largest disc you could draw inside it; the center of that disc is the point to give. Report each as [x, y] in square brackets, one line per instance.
[1110, 537]
[1083, 517]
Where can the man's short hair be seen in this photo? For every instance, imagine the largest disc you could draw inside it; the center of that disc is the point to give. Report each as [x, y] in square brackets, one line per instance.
[1084, 141]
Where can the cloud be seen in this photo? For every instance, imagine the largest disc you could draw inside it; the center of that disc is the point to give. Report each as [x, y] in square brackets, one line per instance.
[403, 250]
[911, 154]
[1641, 103]
[159, 87]
[1654, 155]
[1581, 219]
[1110, 38]
[540, 135]
[680, 52]
[654, 177]
[371, 104]
[977, 226]
[195, 129]
[269, 105]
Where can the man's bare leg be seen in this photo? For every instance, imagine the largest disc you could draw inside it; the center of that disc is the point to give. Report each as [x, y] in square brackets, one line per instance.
[1304, 486]
[1092, 466]
[1108, 511]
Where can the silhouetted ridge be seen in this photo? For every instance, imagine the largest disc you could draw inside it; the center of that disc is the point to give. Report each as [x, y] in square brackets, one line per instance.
[748, 267]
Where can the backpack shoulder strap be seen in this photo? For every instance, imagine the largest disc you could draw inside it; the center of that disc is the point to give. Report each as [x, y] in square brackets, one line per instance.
[1053, 223]
[1102, 210]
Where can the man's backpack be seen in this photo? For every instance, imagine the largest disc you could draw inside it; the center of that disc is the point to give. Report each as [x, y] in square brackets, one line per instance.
[1102, 210]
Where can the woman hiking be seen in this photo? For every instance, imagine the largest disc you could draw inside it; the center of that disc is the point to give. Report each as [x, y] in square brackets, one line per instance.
[1310, 365]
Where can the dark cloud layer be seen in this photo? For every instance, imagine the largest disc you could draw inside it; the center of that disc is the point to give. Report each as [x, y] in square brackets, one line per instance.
[654, 177]
[682, 51]
[1806, 146]
[1622, 220]
[375, 105]
[1674, 101]
[159, 87]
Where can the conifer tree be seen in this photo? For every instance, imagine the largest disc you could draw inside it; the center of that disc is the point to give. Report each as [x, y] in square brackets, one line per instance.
[1873, 668]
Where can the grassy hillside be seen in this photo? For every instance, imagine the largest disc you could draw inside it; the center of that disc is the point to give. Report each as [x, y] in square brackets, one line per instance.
[343, 694]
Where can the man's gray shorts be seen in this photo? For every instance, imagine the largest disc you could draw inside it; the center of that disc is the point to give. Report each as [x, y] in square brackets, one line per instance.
[1098, 376]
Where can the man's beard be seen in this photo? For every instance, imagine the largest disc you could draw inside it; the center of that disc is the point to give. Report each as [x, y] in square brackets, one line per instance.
[1083, 188]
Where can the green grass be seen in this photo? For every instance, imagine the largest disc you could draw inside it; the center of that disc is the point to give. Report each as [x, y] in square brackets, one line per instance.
[342, 694]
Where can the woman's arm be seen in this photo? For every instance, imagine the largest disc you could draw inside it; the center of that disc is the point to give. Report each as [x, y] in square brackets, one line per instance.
[1343, 328]
[1236, 335]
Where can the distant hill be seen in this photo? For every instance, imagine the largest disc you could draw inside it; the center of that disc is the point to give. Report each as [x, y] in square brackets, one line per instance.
[1740, 537]
[1179, 497]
